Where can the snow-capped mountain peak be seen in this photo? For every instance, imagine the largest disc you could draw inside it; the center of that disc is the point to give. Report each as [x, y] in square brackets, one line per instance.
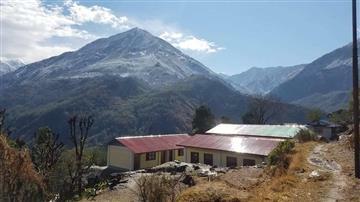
[134, 53]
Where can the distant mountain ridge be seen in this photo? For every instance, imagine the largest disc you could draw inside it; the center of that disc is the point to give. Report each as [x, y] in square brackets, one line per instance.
[329, 76]
[262, 80]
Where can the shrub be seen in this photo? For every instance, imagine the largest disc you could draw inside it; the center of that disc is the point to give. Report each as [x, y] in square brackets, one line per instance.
[305, 135]
[157, 187]
[278, 155]
[19, 180]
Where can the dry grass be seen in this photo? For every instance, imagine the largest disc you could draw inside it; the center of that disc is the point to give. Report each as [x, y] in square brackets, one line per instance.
[211, 192]
[277, 183]
[298, 159]
[283, 185]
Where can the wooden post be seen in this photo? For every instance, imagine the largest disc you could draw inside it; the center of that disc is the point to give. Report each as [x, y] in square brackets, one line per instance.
[355, 91]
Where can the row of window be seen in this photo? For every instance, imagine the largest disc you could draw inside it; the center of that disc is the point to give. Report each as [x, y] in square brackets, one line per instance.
[150, 156]
[208, 158]
[230, 160]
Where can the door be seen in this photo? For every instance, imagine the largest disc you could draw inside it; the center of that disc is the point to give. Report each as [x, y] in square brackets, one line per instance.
[208, 159]
[163, 157]
[136, 161]
[194, 157]
[231, 161]
[171, 157]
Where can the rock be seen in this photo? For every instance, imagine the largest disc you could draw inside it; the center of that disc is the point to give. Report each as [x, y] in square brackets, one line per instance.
[314, 174]
[196, 167]
[188, 180]
[318, 175]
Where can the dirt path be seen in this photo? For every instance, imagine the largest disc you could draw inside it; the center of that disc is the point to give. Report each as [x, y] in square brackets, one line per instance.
[337, 182]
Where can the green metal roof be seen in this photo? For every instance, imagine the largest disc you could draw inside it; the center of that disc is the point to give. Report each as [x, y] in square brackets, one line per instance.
[278, 131]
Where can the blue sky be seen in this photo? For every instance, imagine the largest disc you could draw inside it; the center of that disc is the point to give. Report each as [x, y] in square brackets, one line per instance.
[228, 37]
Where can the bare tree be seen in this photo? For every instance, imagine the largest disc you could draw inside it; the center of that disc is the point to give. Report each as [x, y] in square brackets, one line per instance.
[2, 120]
[262, 109]
[46, 152]
[3, 129]
[79, 132]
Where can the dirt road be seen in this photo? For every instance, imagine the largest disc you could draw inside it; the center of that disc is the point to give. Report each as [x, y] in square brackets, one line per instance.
[327, 160]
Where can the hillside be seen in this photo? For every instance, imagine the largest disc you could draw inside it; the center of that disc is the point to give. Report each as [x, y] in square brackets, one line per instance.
[323, 78]
[124, 106]
[132, 83]
[262, 80]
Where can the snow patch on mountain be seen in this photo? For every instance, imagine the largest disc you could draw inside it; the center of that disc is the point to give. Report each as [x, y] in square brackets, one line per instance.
[9, 65]
[262, 80]
[134, 53]
[339, 62]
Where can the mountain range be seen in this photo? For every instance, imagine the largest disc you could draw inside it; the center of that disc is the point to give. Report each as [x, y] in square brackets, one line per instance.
[263, 80]
[132, 83]
[325, 83]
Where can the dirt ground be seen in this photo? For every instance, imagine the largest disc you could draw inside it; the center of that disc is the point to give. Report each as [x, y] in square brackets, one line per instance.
[330, 164]
[334, 164]
[121, 193]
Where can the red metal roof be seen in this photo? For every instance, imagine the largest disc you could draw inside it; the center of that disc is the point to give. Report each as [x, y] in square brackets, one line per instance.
[239, 144]
[152, 143]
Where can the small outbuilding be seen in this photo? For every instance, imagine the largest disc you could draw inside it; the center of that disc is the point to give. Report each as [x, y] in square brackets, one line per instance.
[325, 129]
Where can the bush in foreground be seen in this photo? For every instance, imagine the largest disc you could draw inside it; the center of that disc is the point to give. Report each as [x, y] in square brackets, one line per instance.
[158, 187]
[19, 180]
[279, 155]
[305, 135]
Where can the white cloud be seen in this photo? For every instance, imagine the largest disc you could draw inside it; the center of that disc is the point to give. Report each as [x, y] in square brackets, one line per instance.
[95, 14]
[190, 42]
[30, 30]
[27, 25]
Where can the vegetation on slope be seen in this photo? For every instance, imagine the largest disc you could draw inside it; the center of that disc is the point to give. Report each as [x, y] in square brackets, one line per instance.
[125, 106]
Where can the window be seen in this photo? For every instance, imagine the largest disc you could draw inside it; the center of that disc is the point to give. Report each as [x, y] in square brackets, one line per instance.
[248, 162]
[150, 156]
[208, 159]
[231, 161]
[194, 157]
[180, 152]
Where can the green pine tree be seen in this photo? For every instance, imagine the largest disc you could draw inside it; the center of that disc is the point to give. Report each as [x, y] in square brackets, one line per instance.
[203, 120]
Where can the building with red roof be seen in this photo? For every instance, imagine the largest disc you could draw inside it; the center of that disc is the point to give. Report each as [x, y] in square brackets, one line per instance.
[228, 151]
[138, 152]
